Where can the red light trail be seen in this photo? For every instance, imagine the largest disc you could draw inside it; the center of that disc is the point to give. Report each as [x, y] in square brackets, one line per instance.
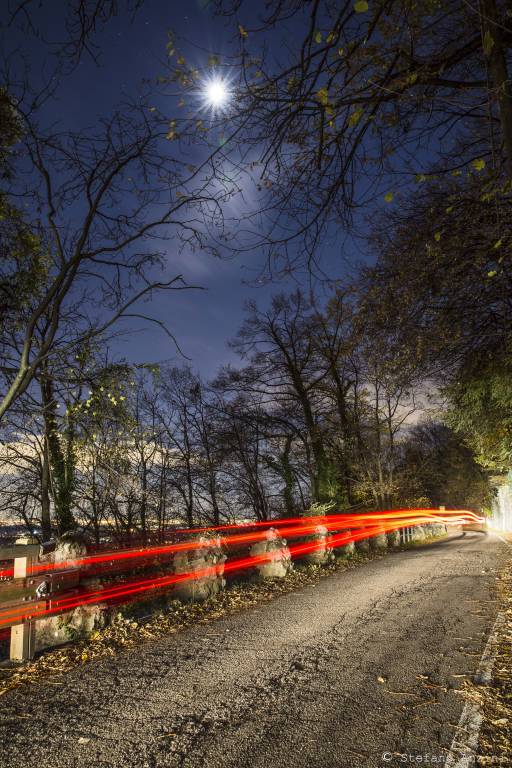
[283, 525]
[362, 526]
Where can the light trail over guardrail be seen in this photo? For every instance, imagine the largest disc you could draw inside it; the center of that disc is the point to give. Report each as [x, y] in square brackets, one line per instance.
[289, 527]
[361, 526]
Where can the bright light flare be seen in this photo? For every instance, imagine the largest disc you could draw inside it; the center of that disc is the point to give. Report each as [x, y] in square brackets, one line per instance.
[215, 94]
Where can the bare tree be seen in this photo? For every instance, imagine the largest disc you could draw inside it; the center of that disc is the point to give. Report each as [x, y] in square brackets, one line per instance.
[369, 97]
[102, 207]
[81, 20]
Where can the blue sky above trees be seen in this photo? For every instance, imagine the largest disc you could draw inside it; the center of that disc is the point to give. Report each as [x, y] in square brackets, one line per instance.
[130, 52]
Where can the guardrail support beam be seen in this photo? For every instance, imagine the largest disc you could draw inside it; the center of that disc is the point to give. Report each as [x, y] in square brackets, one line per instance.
[23, 638]
[23, 635]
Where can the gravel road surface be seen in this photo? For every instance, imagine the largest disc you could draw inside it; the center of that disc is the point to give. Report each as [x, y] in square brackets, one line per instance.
[358, 670]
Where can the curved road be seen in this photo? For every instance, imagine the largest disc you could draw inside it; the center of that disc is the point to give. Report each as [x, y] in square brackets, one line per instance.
[357, 670]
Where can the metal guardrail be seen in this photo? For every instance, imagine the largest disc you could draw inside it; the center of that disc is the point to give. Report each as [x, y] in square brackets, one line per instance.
[16, 551]
[406, 534]
[30, 590]
[27, 588]
[24, 553]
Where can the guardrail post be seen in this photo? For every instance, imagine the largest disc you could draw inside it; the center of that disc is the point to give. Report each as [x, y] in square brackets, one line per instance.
[23, 635]
[406, 534]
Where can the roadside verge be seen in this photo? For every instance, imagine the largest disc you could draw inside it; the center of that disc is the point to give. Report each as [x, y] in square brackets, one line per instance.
[138, 622]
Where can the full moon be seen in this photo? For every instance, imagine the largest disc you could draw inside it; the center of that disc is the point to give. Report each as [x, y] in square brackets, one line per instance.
[216, 93]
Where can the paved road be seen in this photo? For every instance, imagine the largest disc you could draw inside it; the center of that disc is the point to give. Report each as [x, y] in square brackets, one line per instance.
[293, 682]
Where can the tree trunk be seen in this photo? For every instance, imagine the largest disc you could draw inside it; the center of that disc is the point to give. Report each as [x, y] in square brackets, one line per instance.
[288, 478]
[60, 463]
[46, 523]
[498, 74]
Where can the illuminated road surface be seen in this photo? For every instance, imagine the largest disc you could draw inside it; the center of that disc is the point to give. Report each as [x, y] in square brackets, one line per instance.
[364, 664]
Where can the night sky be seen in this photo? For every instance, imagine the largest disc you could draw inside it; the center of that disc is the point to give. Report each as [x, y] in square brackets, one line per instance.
[202, 321]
